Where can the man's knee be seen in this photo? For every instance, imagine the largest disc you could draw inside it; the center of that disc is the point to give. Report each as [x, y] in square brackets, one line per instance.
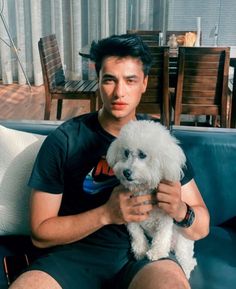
[35, 280]
[164, 274]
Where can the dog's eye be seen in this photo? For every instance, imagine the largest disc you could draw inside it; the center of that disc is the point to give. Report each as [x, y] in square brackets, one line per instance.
[126, 153]
[141, 155]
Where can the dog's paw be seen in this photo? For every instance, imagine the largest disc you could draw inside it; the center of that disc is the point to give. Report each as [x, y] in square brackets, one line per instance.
[154, 255]
[139, 255]
[188, 268]
[139, 249]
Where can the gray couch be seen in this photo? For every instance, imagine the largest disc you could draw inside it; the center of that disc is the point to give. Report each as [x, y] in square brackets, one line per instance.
[212, 153]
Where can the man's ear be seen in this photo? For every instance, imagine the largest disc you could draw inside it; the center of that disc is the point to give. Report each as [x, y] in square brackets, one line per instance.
[145, 82]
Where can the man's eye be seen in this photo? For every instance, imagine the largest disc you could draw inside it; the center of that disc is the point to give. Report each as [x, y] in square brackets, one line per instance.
[126, 153]
[107, 80]
[142, 155]
[131, 81]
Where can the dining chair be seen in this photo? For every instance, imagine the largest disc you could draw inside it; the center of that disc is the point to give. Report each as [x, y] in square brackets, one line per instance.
[156, 98]
[233, 93]
[150, 37]
[202, 84]
[55, 83]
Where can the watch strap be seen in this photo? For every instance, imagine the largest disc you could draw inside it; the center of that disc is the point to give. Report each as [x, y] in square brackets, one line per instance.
[188, 219]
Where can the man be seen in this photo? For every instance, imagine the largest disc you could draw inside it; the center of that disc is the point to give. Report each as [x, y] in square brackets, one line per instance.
[79, 211]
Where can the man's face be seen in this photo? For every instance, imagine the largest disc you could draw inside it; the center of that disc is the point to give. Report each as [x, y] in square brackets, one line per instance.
[122, 84]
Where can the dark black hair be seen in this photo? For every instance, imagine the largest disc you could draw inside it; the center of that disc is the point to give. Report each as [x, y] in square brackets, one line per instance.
[121, 46]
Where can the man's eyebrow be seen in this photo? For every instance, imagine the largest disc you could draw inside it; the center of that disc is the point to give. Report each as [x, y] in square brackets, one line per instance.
[131, 76]
[107, 75]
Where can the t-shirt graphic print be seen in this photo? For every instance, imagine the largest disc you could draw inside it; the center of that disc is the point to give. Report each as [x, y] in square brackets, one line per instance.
[100, 178]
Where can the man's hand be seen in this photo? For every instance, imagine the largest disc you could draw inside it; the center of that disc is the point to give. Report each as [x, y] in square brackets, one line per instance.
[123, 207]
[169, 199]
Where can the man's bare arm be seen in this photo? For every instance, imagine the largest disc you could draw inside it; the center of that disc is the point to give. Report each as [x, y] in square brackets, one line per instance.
[173, 198]
[49, 229]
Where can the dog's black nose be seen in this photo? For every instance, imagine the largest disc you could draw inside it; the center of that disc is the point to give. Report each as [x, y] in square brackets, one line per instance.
[127, 173]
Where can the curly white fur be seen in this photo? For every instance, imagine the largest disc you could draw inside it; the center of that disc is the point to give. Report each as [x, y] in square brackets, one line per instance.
[143, 154]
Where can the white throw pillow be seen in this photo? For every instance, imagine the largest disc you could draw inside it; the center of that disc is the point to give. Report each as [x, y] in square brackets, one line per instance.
[18, 151]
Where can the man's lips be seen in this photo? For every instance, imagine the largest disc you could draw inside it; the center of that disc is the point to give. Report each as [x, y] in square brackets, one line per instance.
[119, 105]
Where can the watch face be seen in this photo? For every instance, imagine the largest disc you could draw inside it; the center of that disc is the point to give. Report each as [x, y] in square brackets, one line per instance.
[188, 219]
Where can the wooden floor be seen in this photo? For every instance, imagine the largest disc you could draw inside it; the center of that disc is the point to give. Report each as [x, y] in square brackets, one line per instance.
[21, 102]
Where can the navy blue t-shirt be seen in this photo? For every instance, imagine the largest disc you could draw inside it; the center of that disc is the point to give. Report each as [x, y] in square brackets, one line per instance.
[72, 161]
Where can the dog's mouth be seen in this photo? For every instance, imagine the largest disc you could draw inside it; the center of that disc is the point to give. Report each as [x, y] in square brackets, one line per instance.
[133, 183]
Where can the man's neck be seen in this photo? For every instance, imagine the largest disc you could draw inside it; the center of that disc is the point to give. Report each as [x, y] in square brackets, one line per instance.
[111, 124]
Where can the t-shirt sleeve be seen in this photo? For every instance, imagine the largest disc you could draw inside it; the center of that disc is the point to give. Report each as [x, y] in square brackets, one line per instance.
[47, 174]
[188, 173]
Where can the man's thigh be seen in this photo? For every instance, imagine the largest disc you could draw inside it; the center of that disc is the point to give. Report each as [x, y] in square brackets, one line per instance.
[35, 280]
[137, 274]
[162, 274]
[88, 265]
[54, 272]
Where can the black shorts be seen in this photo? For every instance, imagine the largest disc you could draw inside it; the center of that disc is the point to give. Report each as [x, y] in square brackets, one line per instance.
[88, 266]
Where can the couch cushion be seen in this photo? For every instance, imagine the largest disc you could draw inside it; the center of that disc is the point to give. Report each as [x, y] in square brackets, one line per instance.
[17, 154]
[212, 153]
[216, 257]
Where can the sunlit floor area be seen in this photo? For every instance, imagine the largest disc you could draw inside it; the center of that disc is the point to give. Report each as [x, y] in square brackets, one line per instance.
[24, 103]
[21, 102]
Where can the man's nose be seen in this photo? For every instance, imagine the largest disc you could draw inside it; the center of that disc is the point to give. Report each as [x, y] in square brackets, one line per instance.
[120, 89]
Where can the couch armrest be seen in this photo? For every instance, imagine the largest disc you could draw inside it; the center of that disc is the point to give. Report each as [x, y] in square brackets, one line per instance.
[34, 126]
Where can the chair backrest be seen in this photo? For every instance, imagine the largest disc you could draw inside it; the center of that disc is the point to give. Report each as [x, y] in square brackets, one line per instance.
[150, 37]
[52, 68]
[180, 36]
[156, 98]
[202, 82]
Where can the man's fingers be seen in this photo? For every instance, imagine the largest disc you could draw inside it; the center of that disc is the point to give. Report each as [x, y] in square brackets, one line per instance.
[141, 210]
[139, 200]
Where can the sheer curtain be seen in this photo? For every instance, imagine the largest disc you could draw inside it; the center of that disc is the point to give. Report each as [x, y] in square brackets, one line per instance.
[75, 22]
[217, 19]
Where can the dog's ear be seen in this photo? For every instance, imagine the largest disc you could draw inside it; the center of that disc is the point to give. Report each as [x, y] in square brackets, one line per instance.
[113, 153]
[174, 163]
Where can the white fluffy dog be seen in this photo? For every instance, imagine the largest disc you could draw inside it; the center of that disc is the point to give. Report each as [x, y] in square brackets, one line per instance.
[143, 154]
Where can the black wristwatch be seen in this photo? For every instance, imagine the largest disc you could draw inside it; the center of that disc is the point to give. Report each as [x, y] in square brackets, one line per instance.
[188, 219]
